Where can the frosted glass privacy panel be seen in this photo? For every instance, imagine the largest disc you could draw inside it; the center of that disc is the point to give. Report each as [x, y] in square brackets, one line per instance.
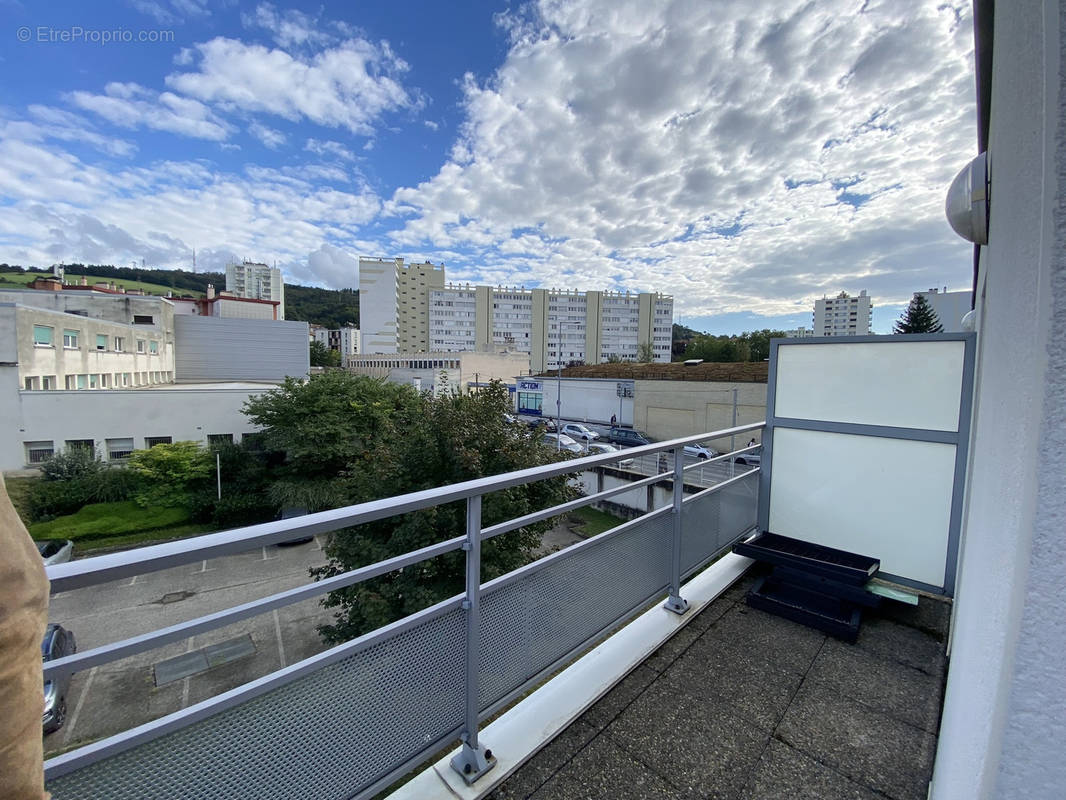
[899, 384]
[885, 498]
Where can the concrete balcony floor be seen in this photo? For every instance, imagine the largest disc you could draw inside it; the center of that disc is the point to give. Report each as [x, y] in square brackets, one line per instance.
[742, 704]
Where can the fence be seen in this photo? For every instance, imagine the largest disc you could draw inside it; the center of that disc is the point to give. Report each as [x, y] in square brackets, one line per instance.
[351, 720]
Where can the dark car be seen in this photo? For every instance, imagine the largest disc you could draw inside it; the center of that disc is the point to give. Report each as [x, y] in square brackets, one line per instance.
[627, 437]
[57, 643]
[291, 512]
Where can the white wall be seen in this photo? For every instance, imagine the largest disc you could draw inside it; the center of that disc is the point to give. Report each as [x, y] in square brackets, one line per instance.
[1004, 719]
[183, 414]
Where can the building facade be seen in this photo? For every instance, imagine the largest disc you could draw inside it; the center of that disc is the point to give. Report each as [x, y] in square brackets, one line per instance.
[843, 315]
[344, 340]
[950, 307]
[442, 372]
[555, 327]
[84, 341]
[393, 304]
[257, 282]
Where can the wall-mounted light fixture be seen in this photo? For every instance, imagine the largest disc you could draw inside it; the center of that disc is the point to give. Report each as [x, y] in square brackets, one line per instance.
[966, 205]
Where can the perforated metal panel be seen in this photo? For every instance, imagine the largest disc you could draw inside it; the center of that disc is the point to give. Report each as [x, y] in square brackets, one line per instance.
[530, 623]
[716, 520]
[328, 735]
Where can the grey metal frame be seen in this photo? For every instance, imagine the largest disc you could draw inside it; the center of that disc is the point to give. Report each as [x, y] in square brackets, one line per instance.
[474, 753]
[960, 437]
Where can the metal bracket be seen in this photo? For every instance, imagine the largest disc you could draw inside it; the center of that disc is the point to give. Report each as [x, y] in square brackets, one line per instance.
[677, 604]
[472, 762]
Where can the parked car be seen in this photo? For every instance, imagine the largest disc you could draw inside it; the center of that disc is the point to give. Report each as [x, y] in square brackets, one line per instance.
[749, 460]
[699, 451]
[290, 512]
[576, 430]
[545, 423]
[627, 437]
[55, 551]
[57, 642]
[596, 448]
[560, 441]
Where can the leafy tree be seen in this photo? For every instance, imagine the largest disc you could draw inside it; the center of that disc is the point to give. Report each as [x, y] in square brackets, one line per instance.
[170, 472]
[645, 353]
[322, 356]
[351, 439]
[72, 463]
[245, 488]
[749, 346]
[918, 317]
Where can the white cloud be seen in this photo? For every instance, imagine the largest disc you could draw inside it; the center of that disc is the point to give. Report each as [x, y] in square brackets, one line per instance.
[174, 11]
[290, 28]
[130, 105]
[49, 122]
[705, 149]
[270, 137]
[323, 147]
[350, 85]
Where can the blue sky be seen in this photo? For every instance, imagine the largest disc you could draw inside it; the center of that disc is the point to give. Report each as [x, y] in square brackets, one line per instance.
[746, 158]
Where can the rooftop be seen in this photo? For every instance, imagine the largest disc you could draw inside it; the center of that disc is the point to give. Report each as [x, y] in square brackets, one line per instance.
[739, 372]
[742, 704]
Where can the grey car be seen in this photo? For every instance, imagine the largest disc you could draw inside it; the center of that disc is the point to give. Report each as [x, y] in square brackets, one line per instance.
[57, 643]
[55, 551]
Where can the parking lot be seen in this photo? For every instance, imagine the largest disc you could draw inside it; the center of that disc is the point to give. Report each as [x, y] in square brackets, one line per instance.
[114, 697]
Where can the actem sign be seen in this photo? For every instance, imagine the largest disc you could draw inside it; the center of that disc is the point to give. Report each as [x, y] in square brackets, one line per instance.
[529, 386]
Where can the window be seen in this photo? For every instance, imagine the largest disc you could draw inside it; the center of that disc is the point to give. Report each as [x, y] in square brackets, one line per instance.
[153, 347]
[70, 382]
[87, 445]
[140, 345]
[143, 319]
[83, 381]
[48, 382]
[120, 344]
[125, 379]
[42, 335]
[152, 441]
[30, 384]
[70, 338]
[93, 382]
[37, 452]
[219, 439]
[119, 449]
[101, 341]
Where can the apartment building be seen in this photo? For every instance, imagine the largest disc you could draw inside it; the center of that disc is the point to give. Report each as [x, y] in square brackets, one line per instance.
[84, 340]
[950, 307]
[393, 306]
[257, 282]
[344, 340]
[555, 327]
[843, 315]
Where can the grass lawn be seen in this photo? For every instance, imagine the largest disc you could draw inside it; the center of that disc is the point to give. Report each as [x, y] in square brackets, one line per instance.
[594, 522]
[101, 525]
[23, 278]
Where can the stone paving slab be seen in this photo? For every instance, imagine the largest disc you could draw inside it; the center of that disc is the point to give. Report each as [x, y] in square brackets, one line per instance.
[743, 705]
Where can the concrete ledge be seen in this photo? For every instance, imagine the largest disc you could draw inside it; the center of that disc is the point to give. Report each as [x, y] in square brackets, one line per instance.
[519, 733]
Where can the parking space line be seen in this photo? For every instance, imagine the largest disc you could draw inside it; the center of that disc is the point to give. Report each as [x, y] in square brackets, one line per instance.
[133, 580]
[204, 567]
[277, 632]
[318, 543]
[269, 558]
[77, 707]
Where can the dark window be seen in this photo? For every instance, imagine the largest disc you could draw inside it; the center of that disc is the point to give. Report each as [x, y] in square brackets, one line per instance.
[219, 439]
[81, 444]
[143, 319]
[152, 441]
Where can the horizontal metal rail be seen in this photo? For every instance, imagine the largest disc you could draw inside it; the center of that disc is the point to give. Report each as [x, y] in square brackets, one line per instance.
[114, 566]
[719, 486]
[183, 630]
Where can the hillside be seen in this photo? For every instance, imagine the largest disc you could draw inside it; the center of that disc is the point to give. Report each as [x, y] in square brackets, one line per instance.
[330, 307]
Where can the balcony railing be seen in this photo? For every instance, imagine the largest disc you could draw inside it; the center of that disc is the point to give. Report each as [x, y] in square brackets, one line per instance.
[351, 720]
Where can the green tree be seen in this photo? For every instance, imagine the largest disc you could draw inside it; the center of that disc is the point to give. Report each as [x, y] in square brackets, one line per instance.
[645, 354]
[918, 317]
[322, 356]
[350, 439]
[169, 473]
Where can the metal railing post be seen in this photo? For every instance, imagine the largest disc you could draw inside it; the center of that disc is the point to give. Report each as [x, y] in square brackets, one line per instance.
[474, 760]
[675, 602]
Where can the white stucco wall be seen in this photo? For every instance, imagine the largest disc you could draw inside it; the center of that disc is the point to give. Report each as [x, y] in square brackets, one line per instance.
[1004, 718]
[182, 414]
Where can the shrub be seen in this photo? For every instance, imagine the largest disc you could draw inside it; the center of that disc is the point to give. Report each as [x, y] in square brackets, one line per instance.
[56, 498]
[170, 473]
[109, 519]
[74, 462]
